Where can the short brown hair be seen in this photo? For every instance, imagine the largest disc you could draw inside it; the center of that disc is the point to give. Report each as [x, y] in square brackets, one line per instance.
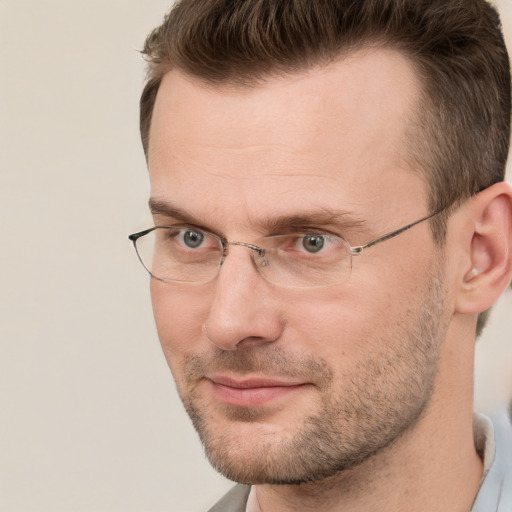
[460, 137]
[456, 46]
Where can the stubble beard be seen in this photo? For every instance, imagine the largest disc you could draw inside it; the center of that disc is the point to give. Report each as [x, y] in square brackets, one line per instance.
[378, 401]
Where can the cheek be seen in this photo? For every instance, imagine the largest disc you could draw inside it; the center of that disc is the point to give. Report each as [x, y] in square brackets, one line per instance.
[179, 316]
[344, 325]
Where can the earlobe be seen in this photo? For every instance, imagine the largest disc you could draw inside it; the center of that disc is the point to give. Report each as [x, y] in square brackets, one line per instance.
[490, 250]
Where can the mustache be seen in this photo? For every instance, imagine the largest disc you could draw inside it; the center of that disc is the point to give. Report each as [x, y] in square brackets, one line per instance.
[267, 361]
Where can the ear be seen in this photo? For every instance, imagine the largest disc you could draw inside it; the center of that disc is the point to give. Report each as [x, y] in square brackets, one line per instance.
[489, 249]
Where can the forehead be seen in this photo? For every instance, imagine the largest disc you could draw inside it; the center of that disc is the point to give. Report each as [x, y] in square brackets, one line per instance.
[332, 134]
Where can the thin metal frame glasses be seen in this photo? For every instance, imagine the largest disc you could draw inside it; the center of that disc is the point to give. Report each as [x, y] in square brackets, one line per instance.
[189, 255]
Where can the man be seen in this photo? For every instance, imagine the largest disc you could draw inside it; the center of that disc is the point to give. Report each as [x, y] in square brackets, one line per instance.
[330, 221]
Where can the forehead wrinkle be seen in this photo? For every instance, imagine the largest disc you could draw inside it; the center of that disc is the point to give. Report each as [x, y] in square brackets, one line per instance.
[254, 163]
[258, 171]
[236, 149]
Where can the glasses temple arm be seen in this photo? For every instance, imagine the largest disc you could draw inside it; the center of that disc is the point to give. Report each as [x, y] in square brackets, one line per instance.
[360, 248]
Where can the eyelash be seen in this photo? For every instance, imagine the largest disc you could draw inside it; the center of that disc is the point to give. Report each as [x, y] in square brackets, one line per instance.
[306, 231]
[288, 231]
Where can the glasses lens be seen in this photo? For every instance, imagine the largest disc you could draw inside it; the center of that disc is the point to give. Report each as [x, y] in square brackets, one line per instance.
[184, 255]
[305, 260]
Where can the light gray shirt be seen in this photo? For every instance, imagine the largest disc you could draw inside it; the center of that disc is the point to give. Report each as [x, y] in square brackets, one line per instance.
[495, 438]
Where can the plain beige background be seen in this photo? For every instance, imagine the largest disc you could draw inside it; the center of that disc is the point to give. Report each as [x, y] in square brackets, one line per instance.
[89, 418]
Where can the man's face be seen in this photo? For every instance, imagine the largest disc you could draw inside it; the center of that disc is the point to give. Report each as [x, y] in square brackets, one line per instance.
[287, 385]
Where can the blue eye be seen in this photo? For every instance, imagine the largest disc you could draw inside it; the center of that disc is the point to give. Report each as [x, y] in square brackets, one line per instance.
[313, 243]
[193, 239]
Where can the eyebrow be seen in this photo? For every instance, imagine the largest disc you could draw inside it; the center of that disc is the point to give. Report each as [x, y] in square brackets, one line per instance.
[323, 217]
[157, 207]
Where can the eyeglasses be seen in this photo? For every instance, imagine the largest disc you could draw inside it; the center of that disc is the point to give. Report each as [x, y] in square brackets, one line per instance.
[188, 255]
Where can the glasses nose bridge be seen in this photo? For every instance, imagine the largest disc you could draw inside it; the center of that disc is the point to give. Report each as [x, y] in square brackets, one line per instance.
[254, 250]
[259, 250]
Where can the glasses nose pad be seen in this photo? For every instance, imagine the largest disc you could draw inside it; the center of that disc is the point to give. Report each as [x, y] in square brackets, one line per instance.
[259, 257]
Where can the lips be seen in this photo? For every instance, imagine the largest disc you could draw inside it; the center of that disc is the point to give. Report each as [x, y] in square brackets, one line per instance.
[251, 392]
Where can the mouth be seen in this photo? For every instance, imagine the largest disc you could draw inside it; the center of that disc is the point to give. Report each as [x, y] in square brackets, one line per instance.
[251, 392]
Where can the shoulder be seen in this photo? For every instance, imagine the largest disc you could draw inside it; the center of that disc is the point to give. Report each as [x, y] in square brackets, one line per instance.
[233, 501]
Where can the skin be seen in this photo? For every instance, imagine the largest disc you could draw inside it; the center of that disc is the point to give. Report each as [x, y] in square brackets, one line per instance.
[374, 367]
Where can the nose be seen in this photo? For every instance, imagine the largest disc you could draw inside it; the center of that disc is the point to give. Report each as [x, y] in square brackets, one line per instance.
[244, 310]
